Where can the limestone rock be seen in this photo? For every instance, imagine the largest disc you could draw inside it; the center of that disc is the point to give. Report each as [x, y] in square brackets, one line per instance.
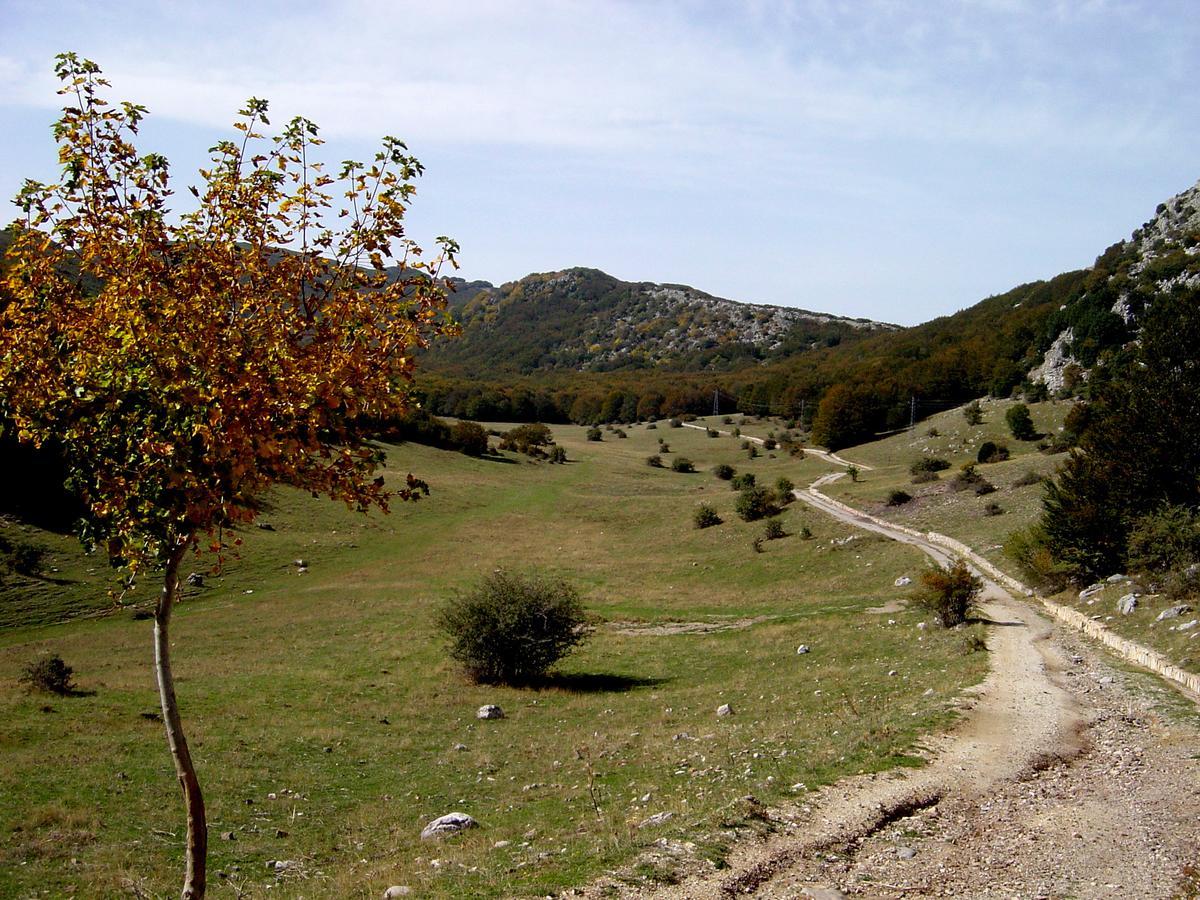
[1173, 612]
[397, 890]
[802, 649]
[489, 711]
[451, 823]
[1127, 604]
[724, 710]
[656, 820]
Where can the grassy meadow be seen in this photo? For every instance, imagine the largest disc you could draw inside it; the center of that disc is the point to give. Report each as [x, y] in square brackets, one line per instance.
[324, 712]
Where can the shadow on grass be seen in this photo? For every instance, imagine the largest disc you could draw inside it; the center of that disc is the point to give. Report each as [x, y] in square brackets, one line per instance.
[982, 621]
[595, 682]
[498, 459]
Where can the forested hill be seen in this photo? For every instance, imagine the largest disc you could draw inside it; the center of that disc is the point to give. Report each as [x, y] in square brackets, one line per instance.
[585, 320]
[1038, 337]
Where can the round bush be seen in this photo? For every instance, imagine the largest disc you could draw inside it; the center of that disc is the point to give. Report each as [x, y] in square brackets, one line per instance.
[950, 594]
[49, 674]
[682, 464]
[724, 471]
[705, 516]
[898, 498]
[774, 530]
[595, 434]
[755, 503]
[511, 629]
[655, 461]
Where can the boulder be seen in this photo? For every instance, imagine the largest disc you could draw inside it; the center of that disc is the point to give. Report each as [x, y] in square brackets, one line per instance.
[1116, 579]
[903, 581]
[1127, 604]
[802, 649]
[195, 579]
[1173, 612]
[444, 826]
[1091, 590]
[489, 711]
[724, 710]
[397, 890]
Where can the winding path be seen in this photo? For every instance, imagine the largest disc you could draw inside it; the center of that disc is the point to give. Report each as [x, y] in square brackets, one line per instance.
[1059, 781]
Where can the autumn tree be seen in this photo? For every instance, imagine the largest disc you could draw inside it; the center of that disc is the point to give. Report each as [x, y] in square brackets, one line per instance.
[186, 362]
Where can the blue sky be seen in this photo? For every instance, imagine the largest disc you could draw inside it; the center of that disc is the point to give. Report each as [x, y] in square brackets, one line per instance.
[897, 160]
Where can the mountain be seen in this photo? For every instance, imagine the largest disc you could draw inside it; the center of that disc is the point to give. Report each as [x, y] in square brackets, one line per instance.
[585, 320]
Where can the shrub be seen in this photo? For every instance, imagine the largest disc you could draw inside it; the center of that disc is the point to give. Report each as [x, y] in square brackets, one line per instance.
[924, 477]
[558, 454]
[774, 530]
[24, 559]
[654, 461]
[594, 434]
[511, 629]
[527, 439]
[991, 452]
[973, 413]
[49, 674]
[471, 437]
[620, 433]
[1020, 422]
[676, 423]
[966, 479]
[1028, 547]
[993, 509]
[984, 487]
[651, 426]
[737, 432]
[933, 432]
[1168, 538]
[1029, 478]
[724, 471]
[929, 464]
[728, 420]
[898, 498]
[664, 447]
[950, 594]
[756, 503]
[752, 452]
[682, 464]
[805, 533]
[757, 544]
[705, 516]
[712, 432]
[784, 488]
[853, 472]
[745, 445]
[770, 444]
[743, 481]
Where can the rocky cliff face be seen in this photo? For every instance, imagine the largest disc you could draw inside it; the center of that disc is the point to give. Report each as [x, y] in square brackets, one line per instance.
[1160, 256]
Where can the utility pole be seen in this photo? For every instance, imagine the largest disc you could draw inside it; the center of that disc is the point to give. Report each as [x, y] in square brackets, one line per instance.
[716, 398]
[802, 402]
[912, 413]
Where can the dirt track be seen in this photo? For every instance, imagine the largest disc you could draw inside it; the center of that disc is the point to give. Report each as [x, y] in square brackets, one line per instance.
[1059, 782]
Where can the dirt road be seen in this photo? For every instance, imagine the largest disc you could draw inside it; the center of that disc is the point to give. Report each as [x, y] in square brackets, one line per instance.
[1061, 781]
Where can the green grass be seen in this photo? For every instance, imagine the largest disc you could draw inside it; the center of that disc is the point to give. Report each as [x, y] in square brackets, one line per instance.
[937, 508]
[332, 691]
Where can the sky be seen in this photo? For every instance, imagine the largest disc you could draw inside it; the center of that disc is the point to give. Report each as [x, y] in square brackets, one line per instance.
[882, 158]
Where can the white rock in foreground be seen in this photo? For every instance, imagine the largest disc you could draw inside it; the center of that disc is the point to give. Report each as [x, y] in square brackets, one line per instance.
[489, 711]
[451, 823]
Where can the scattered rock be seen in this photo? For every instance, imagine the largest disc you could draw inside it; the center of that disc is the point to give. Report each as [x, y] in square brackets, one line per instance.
[459, 747]
[500, 845]
[489, 711]
[300, 563]
[1173, 612]
[282, 865]
[724, 710]
[903, 581]
[1186, 626]
[803, 648]
[1116, 579]
[265, 526]
[195, 579]
[892, 673]
[397, 890]
[821, 892]
[905, 852]
[1091, 590]
[1127, 604]
[228, 836]
[656, 820]
[451, 823]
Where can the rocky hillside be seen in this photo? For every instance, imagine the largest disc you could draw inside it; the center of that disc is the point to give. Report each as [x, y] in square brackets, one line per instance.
[584, 319]
[1160, 256]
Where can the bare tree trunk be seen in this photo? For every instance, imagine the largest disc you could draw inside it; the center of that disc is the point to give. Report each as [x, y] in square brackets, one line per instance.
[195, 877]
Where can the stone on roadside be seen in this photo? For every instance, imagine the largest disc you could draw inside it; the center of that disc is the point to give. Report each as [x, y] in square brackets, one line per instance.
[1127, 604]
[1115, 579]
[489, 711]
[444, 826]
[905, 852]
[1091, 590]
[724, 710]
[1173, 612]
